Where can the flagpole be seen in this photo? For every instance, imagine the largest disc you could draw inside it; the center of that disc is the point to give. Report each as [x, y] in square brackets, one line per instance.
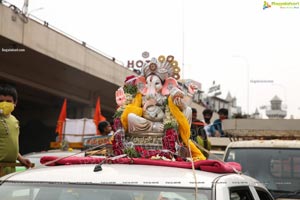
[83, 130]
[63, 131]
[183, 40]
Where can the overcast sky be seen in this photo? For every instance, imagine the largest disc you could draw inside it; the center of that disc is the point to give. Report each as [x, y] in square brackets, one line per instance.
[235, 43]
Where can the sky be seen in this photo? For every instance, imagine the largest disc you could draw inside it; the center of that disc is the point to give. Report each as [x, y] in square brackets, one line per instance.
[252, 52]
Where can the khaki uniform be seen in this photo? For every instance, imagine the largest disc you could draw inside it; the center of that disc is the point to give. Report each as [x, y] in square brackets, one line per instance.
[9, 141]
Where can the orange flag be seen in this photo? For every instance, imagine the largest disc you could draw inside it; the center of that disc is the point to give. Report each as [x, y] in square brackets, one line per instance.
[61, 120]
[98, 117]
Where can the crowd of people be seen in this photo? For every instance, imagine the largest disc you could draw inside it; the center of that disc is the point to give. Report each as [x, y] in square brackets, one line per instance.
[201, 130]
[212, 129]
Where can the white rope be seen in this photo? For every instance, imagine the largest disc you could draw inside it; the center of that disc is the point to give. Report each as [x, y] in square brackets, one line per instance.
[193, 168]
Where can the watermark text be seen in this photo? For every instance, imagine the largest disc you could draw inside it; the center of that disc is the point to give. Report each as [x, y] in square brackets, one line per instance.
[12, 50]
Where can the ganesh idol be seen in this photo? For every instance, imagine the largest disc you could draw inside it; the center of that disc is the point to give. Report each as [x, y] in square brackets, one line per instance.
[154, 102]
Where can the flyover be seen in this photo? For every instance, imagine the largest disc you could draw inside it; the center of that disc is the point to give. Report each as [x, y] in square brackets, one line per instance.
[48, 66]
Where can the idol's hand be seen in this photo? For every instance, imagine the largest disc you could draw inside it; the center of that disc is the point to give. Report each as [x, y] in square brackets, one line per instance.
[177, 96]
[120, 97]
[192, 88]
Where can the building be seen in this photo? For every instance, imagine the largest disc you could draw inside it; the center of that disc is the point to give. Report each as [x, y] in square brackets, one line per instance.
[276, 111]
[256, 115]
[215, 103]
[233, 109]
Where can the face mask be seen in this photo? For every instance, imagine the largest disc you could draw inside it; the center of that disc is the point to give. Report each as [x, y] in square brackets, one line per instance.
[6, 108]
[222, 117]
[207, 120]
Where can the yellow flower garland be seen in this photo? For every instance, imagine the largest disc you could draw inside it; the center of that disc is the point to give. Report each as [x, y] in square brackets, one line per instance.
[184, 130]
[134, 107]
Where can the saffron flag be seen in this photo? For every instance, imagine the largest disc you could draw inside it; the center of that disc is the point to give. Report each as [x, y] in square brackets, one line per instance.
[98, 117]
[61, 120]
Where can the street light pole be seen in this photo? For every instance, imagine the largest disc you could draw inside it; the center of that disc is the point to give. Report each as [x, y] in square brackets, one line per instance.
[183, 70]
[248, 72]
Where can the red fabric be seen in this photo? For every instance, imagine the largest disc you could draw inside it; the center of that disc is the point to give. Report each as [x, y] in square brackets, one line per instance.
[142, 161]
[61, 120]
[198, 123]
[98, 117]
[130, 78]
[218, 166]
[204, 165]
[49, 160]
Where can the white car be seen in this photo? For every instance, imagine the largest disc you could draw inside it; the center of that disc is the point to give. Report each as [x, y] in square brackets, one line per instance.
[128, 181]
[276, 163]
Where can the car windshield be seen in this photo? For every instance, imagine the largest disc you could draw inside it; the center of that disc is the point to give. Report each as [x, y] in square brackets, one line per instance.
[61, 191]
[278, 169]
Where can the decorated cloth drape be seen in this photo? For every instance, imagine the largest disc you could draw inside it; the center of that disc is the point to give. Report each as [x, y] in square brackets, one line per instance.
[98, 117]
[61, 120]
[134, 107]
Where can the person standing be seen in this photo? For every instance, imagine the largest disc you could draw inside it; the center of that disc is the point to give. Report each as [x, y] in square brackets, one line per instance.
[196, 125]
[9, 129]
[198, 134]
[223, 114]
[105, 128]
[208, 127]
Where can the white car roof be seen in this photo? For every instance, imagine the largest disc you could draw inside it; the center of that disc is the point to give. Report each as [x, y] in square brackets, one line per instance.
[36, 156]
[55, 152]
[123, 174]
[265, 144]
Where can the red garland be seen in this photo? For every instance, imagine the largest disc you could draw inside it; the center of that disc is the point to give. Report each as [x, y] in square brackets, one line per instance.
[170, 139]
